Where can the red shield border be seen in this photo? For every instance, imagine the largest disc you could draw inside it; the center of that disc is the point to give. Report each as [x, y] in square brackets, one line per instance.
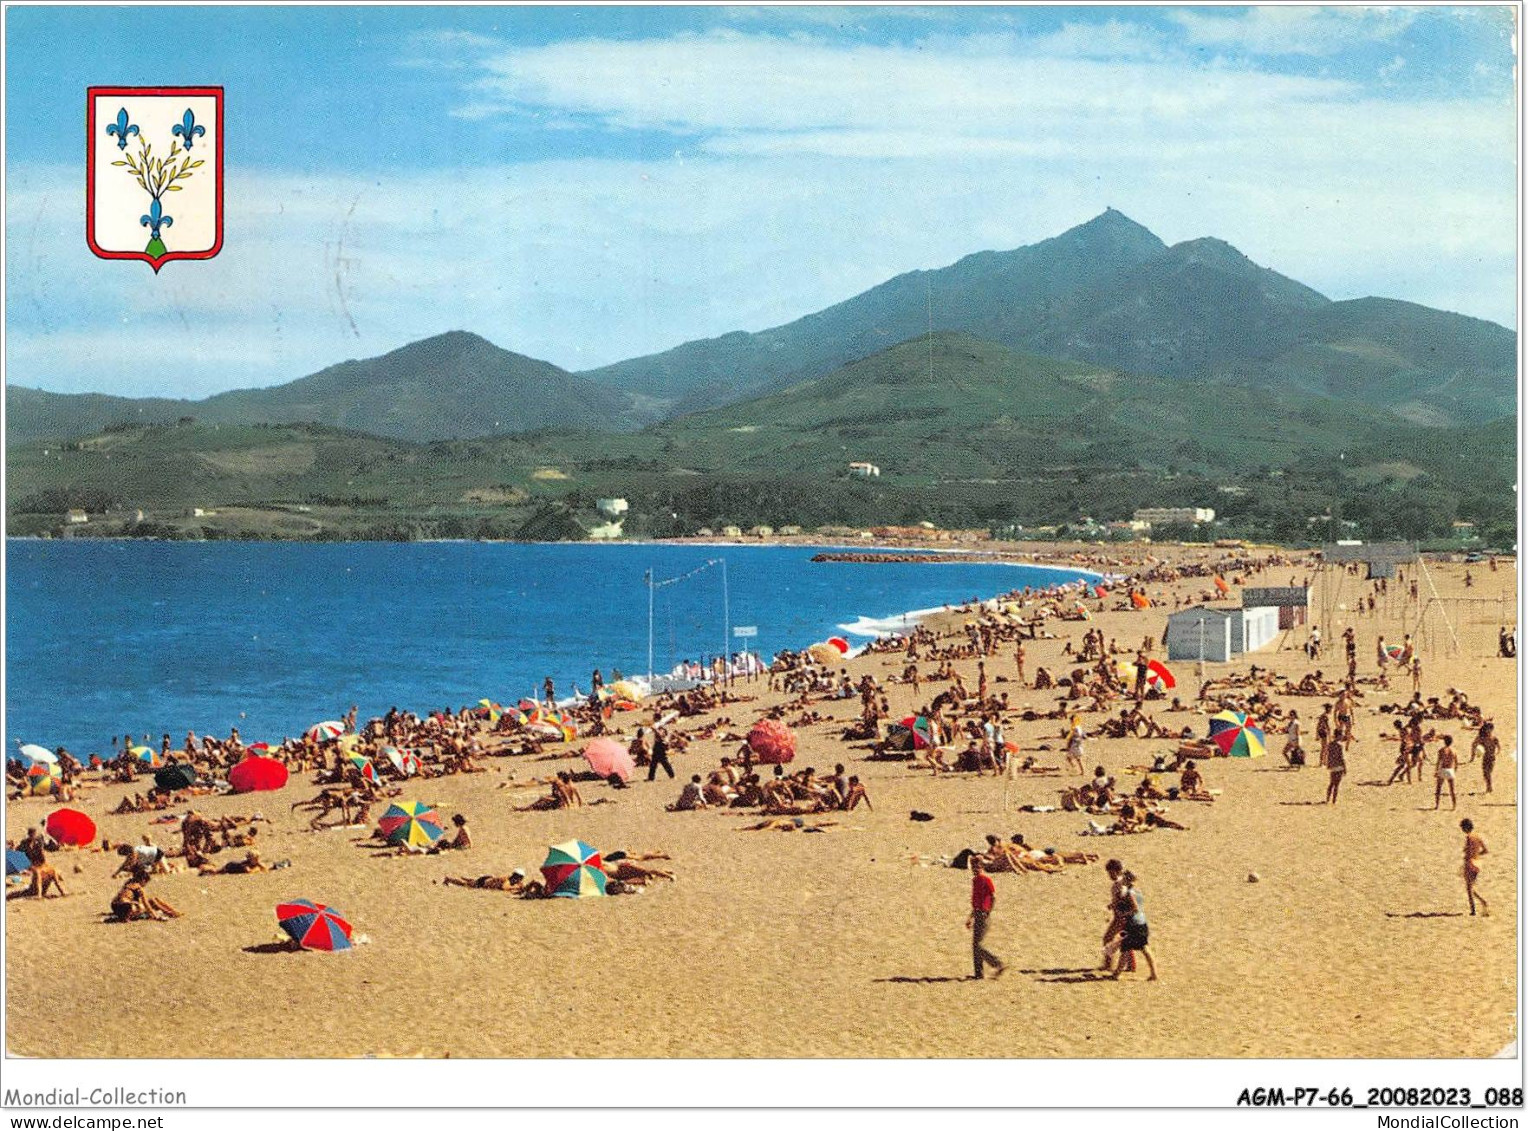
[213, 92]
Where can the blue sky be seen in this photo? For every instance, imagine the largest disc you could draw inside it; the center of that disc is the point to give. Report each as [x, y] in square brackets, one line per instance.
[588, 184]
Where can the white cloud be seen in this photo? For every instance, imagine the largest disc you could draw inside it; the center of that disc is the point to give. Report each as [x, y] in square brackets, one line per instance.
[1286, 29]
[808, 174]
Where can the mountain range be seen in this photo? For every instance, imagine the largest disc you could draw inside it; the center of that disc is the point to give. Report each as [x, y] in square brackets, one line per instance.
[1106, 295]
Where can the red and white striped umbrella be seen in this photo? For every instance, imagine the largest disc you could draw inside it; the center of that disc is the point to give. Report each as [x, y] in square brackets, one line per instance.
[325, 731]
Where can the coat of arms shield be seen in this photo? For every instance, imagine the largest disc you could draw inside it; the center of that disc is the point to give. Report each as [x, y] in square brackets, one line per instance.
[154, 172]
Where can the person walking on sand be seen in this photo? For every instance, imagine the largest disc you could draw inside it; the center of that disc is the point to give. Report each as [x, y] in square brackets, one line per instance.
[1018, 661]
[1117, 916]
[1074, 746]
[1474, 849]
[1136, 933]
[659, 756]
[1336, 766]
[983, 897]
[1448, 763]
[1489, 746]
[548, 689]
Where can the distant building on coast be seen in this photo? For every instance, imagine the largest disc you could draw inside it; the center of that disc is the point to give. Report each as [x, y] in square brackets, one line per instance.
[605, 532]
[732, 531]
[76, 516]
[860, 469]
[760, 531]
[1174, 516]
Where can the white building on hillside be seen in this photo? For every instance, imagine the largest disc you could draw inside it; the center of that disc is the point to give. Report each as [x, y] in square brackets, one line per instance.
[1174, 516]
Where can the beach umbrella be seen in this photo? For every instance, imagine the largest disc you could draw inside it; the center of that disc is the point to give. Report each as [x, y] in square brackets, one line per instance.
[406, 762]
[70, 826]
[1394, 651]
[919, 730]
[259, 748]
[178, 776]
[772, 742]
[28, 754]
[16, 862]
[528, 706]
[1140, 600]
[1100, 592]
[545, 729]
[840, 643]
[146, 755]
[625, 689]
[313, 926]
[413, 823]
[572, 871]
[825, 654]
[325, 731]
[1237, 735]
[606, 756]
[43, 778]
[364, 764]
[256, 774]
[1158, 678]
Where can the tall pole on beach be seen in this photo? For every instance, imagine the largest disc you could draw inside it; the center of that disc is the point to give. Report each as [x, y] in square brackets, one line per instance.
[726, 628]
[649, 630]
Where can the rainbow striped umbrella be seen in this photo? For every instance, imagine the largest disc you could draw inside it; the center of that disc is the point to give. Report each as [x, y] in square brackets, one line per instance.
[43, 778]
[572, 871]
[313, 926]
[325, 731]
[146, 755]
[1237, 735]
[412, 823]
[1394, 651]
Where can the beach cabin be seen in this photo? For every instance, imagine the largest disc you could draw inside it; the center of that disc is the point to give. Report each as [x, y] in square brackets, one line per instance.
[1253, 628]
[76, 516]
[1200, 633]
[1290, 601]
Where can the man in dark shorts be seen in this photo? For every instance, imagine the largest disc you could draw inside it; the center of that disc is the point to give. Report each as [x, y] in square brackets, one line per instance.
[983, 897]
[659, 756]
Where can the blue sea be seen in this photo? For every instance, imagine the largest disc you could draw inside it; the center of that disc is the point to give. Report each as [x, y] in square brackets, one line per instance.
[152, 637]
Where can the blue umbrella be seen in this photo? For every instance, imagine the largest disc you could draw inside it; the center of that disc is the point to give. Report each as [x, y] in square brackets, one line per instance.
[16, 862]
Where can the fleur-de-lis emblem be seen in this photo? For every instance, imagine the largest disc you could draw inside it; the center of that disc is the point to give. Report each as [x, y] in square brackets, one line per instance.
[188, 129]
[156, 218]
[121, 130]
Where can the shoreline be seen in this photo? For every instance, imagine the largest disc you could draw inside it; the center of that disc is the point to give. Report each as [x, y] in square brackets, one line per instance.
[866, 627]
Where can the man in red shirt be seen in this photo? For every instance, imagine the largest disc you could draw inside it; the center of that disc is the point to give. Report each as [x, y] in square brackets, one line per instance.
[983, 896]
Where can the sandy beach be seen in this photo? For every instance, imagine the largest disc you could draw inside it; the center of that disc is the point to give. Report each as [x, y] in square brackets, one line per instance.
[1355, 941]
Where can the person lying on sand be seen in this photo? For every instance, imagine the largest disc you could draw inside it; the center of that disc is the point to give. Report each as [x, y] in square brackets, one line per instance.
[786, 825]
[515, 884]
[250, 863]
[630, 871]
